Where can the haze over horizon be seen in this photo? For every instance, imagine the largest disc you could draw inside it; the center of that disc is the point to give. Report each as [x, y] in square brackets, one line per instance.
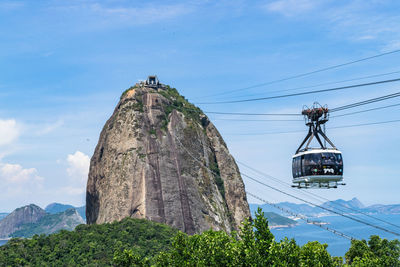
[64, 66]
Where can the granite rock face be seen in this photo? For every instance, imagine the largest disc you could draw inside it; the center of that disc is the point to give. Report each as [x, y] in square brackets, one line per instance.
[159, 157]
[25, 215]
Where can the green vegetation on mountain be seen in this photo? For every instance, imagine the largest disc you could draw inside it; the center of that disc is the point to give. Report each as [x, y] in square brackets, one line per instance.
[134, 242]
[180, 103]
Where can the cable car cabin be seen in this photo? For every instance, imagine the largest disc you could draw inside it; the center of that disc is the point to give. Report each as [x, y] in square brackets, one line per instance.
[322, 167]
[317, 167]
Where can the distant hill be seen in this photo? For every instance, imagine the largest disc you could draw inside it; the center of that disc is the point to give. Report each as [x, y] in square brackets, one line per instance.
[82, 212]
[29, 220]
[353, 204]
[58, 207]
[51, 223]
[14, 221]
[275, 219]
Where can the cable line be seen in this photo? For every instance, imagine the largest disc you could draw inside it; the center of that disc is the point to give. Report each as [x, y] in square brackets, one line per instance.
[302, 217]
[302, 93]
[364, 124]
[322, 207]
[315, 195]
[253, 114]
[335, 116]
[353, 105]
[223, 119]
[337, 127]
[365, 102]
[362, 111]
[305, 74]
[321, 84]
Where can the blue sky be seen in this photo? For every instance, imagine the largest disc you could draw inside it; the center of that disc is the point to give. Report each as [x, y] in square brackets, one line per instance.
[64, 65]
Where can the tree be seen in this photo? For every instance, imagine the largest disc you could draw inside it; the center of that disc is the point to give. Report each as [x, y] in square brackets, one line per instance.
[375, 252]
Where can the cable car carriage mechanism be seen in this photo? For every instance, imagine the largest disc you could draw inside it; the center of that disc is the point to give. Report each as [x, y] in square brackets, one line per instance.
[317, 167]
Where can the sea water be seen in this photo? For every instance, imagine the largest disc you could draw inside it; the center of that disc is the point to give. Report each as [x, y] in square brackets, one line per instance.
[338, 246]
[2, 242]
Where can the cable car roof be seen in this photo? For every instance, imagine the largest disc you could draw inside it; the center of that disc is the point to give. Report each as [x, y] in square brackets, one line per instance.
[316, 151]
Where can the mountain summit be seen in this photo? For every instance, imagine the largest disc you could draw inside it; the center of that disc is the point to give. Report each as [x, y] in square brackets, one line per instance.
[159, 157]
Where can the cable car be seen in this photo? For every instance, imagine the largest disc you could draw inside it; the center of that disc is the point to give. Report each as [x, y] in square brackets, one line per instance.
[317, 167]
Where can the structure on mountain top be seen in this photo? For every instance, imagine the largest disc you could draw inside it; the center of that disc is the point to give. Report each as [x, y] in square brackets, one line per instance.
[151, 82]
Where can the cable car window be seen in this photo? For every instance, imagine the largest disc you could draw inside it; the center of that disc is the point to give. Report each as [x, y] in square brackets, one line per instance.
[312, 159]
[294, 167]
[328, 158]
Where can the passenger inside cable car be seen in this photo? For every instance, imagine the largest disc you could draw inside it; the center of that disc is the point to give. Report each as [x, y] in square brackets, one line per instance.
[325, 163]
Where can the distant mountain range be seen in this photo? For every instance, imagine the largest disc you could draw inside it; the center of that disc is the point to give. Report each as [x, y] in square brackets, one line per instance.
[54, 208]
[31, 219]
[350, 206]
[50, 223]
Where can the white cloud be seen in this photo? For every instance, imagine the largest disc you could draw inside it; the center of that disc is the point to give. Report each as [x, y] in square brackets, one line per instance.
[291, 7]
[9, 131]
[16, 174]
[18, 182]
[78, 168]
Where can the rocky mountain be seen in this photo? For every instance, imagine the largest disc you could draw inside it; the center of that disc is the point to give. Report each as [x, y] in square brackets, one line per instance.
[159, 157]
[385, 209]
[29, 220]
[51, 223]
[354, 203]
[3, 215]
[54, 208]
[14, 221]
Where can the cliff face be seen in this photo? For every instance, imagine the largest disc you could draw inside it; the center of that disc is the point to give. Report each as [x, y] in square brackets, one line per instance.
[160, 158]
[14, 221]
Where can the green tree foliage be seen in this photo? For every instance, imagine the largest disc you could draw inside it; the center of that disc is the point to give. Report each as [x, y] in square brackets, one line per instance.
[93, 245]
[375, 252]
[254, 245]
